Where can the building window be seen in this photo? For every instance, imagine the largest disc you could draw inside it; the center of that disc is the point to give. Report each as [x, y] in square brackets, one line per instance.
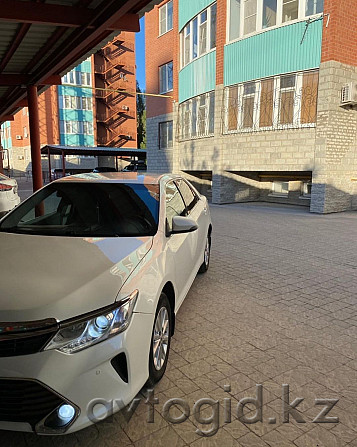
[69, 127]
[203, 33]
[269, 13]
[77, 78]
[280, 189]
[250, 16]
[165, 133]
[213, 26]
[290, 10]
[248, 104]
[196, 116]
[266, 103]
[246, 17]
[86, 103]
[71, 102]
[280, 102]
[186, 43]
[194, 39]
[199, 35]
[234, 19]
[87, 128]
[314, 7]
[287, 99]
[306, 190]
[85, 79]
[165, 17]
[165, 78]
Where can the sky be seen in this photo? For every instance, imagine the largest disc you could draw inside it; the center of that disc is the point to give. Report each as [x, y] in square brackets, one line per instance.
[140, 54]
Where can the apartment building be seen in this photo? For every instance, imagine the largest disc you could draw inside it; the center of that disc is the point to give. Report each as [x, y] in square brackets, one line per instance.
[94, 106]
[255, 109]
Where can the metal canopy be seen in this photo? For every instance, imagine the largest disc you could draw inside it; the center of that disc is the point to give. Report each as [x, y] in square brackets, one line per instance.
[94, 151]
[41, 40]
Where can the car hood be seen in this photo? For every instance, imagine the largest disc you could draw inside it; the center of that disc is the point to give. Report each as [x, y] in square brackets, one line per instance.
[63, 277]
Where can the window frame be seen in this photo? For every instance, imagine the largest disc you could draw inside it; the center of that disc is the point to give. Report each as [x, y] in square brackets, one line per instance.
[184, 213]
[165, 8]
[276, 97]
[167, 87]
[195, 200]
[186, 112]
[188, 36]
[279, 193]
[168, 147]
[302, 15]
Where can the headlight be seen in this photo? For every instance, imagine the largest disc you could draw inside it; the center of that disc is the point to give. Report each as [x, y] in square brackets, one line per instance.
[80, 333]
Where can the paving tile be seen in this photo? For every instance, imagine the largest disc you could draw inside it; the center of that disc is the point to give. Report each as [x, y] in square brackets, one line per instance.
[252, 440]
[161, 438]
[222, 438]
[319, 437]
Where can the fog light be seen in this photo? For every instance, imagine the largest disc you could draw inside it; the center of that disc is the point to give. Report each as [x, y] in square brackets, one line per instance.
[66, 413]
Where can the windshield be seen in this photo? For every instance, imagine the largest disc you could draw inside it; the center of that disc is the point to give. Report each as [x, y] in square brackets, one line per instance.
[87, 209]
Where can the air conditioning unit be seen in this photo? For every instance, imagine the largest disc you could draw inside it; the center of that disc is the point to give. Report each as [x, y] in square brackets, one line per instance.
[349, 94]
[18, 137]
[20, 157]
[125, 108]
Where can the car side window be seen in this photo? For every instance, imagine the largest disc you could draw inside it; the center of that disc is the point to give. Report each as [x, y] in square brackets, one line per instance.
[174, 204]
[188, 195]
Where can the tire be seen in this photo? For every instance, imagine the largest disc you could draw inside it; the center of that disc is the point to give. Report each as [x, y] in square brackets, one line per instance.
[158, 357]
[206, 255]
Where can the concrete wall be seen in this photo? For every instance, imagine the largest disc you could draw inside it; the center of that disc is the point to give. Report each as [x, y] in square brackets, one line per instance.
[336, 143]
[158, 160]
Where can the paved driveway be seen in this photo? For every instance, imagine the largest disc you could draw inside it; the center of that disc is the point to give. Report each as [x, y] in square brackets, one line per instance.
[278, 306]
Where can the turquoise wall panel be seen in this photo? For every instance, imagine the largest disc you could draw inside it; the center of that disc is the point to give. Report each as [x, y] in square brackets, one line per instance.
[75, 115]
[198, 77]
[77, 140]
[74, 91]
[85, 67]
[6, 142]
[273, 52]
[189, 8]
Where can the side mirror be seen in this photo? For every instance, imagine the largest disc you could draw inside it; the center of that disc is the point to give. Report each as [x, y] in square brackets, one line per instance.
[182, 224]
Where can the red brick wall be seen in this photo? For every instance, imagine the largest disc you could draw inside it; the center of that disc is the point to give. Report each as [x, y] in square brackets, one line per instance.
[48, 115]
[158, 51]
[220, 39]
[339, 40]
[17, 128]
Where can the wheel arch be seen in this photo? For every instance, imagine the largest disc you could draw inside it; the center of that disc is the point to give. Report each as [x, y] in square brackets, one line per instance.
[169, 291]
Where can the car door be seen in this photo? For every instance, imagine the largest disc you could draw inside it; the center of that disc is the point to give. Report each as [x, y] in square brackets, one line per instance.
[179, 245]
[196, 210]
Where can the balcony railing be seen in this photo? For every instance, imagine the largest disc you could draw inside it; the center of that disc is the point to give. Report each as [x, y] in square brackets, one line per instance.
[122, 134]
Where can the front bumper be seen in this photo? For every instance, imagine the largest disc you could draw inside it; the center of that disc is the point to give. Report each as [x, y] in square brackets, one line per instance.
[88, 375]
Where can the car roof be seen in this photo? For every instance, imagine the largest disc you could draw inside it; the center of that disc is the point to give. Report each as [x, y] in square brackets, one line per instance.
[139, 177]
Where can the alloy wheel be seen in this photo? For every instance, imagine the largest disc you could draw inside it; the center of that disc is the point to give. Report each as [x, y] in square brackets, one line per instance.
[160, 339]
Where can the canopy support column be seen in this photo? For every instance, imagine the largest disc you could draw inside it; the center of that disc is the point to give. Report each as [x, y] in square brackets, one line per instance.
[63, 165]
[34, 122]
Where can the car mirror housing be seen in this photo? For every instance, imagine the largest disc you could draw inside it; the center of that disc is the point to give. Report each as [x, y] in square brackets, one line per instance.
[182, 224]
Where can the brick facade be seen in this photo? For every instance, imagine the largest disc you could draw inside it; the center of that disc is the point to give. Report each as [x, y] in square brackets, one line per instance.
[159, 51]
[339, 40]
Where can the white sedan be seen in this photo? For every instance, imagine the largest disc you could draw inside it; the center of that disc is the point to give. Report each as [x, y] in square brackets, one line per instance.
[97, 266]
[8, 194]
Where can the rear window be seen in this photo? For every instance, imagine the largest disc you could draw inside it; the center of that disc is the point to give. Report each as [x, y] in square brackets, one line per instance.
[87, 209]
